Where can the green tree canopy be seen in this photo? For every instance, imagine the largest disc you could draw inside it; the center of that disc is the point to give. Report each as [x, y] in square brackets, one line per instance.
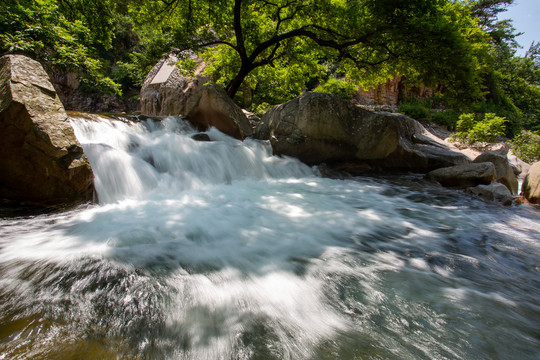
[371, 40]
[71, 35]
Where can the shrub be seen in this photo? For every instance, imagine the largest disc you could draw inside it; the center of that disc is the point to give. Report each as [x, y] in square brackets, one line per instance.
[526, 146]
[470, 130]
[447, 118]
[340, 87]
[414, 109]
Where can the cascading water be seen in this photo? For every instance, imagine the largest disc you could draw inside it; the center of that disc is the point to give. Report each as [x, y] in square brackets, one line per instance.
[218, 250]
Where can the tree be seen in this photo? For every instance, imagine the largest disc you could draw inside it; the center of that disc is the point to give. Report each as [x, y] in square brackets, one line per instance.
[53, 33]
[371, 40]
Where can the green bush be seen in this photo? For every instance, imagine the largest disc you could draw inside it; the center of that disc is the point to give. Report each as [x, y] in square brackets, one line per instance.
[470, 130]
[526, 146]
[447, 118]
[340, 87]
[414, 109]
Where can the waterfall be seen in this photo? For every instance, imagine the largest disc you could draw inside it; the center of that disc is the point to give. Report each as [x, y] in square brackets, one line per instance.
[131, 160]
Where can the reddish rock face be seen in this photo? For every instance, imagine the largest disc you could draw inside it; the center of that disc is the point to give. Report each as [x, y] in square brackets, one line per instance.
[41, 161]
[391, 92]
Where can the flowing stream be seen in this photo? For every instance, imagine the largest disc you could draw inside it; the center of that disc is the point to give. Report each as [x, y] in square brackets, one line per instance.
[219, 250]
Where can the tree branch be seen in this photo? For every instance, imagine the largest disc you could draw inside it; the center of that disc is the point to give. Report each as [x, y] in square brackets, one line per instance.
[240, 46]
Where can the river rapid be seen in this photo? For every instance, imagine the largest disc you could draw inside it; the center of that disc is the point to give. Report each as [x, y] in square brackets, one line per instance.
[219, 250]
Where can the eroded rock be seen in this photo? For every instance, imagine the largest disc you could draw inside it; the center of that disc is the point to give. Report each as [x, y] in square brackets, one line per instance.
[530, 189]
[504, 173]
[464, 176]
[41, 161]
[167, 92]
[317, 128]
[495, 192]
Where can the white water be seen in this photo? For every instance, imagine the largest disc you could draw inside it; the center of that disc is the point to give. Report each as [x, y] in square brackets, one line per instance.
[218, 250]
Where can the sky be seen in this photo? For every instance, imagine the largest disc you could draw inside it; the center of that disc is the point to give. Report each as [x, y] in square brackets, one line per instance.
[526, 19]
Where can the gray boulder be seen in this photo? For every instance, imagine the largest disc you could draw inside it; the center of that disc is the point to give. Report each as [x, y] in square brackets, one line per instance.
[464, 176]
[317, 128]
[504, 172]
[495, 192]
[41, 161]
[520, 167]
[167, 92]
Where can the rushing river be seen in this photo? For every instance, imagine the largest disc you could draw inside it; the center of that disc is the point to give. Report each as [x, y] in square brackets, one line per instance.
[218, 250]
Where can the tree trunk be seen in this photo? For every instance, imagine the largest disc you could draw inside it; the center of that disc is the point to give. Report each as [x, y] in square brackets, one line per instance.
[233, 87]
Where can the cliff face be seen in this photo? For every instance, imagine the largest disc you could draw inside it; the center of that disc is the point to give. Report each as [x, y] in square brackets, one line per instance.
[73, 98]
[41, 161]
[391, 92]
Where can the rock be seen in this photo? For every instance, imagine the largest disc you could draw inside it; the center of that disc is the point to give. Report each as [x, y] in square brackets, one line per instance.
[75, 98]
[167, 92]
[496, 192]
[201, 137]
[530, 189]
[41, 161]
[391, 92]
[216, 109]
[520, 167]
[342, 170]
[253, 119]
[464, 176]
[317, 128]
[503, 170]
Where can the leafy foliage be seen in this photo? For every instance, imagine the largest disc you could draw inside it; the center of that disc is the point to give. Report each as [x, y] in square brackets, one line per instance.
[415, 109]
[338, 86]
[471, 131]
[370, 40]
[526, 146]
[41, 30]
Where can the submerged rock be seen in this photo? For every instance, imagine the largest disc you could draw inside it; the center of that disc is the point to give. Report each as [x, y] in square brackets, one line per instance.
[531, 185]
[504, 173]
[201, 137]
[167, 92]
[464, 176]
[317, 128]
[41, 161]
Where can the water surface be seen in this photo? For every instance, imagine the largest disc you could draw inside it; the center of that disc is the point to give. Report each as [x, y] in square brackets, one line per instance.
[218, 250]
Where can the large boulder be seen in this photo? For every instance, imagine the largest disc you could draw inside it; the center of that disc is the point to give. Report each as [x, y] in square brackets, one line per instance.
[504, 172]
[41, 161]
[530, 189]
[317, 128]
[167, 92]
[464, 176]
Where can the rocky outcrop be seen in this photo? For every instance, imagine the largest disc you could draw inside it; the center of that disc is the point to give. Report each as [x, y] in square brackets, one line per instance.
[520, 167]
[503, 169]
[41, 161]
[531, 185]
[317, 128]
[73, 97]
[167, 92]
[391, 92]
[494, 192]
[464, 176]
